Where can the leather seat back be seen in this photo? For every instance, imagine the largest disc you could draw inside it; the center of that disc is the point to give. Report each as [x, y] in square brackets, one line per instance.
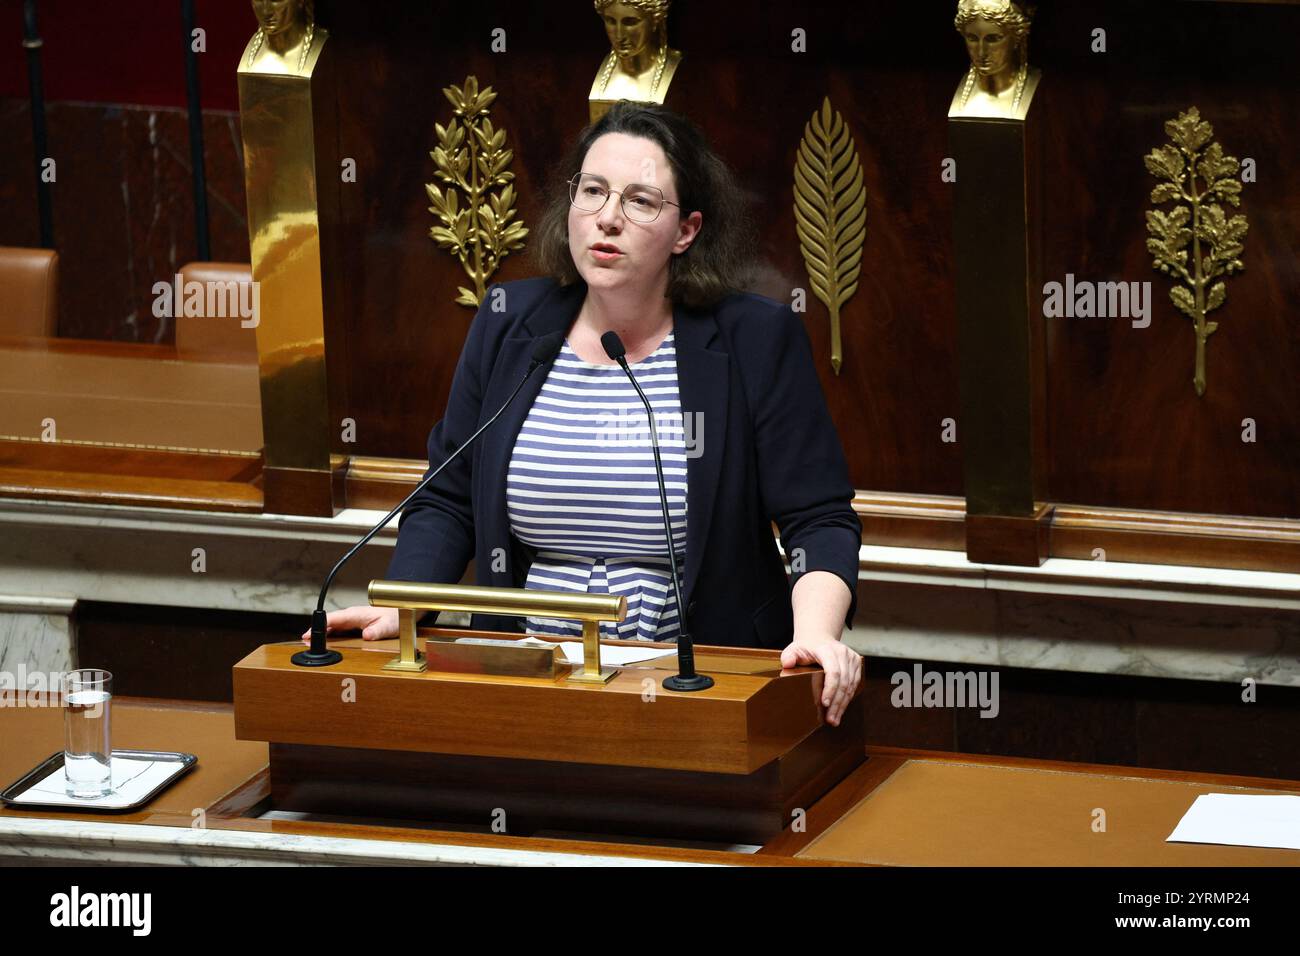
[205, 335]
[29, 291]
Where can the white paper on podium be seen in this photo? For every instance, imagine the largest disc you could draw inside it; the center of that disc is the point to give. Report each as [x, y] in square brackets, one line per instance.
[133, 780]
[1241, 819]
[614, 656]
[572, 650]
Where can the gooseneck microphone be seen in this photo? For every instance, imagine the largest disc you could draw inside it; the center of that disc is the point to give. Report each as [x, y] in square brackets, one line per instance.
[686, 679]
[544, 352]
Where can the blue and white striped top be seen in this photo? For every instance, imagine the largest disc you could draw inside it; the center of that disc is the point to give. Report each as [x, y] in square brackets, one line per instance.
[581, 488]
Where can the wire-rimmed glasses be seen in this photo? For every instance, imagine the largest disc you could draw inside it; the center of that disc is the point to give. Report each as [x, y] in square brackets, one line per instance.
[641, 203]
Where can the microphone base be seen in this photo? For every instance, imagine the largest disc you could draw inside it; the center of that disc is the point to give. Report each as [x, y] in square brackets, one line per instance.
[314, 659]
[317, 654]
[679, 683]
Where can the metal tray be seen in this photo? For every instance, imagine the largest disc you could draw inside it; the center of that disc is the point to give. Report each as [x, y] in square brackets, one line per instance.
[184, 763]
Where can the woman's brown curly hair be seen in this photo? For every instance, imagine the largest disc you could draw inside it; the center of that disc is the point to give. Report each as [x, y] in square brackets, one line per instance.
[718, 261]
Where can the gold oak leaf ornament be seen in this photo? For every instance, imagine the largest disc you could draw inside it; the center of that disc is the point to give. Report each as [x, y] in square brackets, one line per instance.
[1196, 176]
[471, 161]
[830, 212]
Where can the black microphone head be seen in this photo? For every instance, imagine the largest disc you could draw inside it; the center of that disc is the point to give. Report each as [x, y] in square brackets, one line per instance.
[613, 345]
[547, 347]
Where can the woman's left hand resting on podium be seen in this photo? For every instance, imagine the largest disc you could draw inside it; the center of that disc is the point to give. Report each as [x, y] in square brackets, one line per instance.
[820, 601]
[375, 623]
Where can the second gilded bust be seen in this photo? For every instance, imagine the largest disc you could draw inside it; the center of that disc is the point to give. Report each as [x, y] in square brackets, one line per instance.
[1000, 82]
[640, 65]
[287, 40]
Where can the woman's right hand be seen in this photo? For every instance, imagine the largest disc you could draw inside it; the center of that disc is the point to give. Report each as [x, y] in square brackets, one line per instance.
[375, 623]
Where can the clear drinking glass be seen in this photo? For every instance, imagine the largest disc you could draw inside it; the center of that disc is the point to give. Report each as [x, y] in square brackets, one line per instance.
[88, 747]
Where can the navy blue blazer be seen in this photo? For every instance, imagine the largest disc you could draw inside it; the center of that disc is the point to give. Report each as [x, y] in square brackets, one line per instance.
[767, 451]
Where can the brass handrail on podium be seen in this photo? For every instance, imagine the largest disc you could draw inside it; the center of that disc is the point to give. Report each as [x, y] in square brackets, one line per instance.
[411, 596]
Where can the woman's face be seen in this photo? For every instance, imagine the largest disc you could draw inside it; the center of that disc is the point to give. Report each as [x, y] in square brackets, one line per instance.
[989, 45]
[628, 253]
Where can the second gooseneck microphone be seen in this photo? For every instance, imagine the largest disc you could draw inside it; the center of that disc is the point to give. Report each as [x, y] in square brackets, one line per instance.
[686, 679]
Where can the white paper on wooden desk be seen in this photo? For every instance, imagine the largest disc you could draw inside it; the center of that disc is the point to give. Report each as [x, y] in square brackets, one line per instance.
[613, 656]
[572, 650]
[1241, 819]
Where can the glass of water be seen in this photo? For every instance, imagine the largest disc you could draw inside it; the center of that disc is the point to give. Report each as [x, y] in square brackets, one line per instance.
[88, 747]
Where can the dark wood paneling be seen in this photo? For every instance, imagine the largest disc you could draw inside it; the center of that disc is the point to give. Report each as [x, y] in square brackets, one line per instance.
[175, 652]
[1125, 425]
[1198, 726]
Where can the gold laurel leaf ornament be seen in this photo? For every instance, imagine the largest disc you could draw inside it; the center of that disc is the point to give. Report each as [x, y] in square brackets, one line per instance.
[474, 205]
[1195, 242]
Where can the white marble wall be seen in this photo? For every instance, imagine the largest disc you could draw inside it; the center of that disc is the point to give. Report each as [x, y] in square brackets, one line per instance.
[147, 556]
[36, 634]
[27, 841]
[1097, 617]
[1082, 634]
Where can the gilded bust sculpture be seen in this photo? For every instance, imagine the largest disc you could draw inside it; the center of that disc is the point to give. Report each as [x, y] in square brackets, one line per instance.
[287, 40]
[640, 64]
[1000, 82]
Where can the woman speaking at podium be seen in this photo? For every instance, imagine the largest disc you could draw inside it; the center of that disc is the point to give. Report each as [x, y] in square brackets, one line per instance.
[645, 235]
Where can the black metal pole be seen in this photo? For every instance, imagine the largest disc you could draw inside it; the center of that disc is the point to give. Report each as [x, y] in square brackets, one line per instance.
[36, 89]
[199, 175]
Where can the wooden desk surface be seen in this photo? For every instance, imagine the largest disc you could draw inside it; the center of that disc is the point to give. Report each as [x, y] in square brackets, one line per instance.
[899, 808]
[137, 394]
[31, 734]
[956, 810]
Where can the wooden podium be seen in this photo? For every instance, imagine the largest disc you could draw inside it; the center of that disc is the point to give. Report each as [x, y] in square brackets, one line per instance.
[733, 763]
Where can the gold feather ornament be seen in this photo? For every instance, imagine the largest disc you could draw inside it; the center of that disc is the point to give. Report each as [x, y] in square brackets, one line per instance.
[830, 212]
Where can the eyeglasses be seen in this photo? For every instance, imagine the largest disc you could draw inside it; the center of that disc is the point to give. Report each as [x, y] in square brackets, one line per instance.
[640, 203]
